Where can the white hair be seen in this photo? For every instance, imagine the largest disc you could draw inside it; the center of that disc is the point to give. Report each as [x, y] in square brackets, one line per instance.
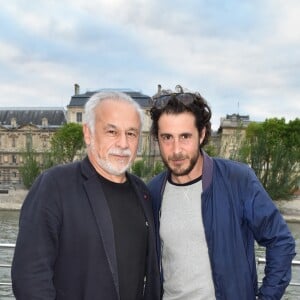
[96, 99]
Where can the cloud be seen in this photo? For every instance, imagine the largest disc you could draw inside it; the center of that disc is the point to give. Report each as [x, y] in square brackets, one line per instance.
[231, 51]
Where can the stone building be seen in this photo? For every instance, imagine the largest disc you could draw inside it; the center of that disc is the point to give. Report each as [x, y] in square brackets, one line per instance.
[231, 133]
[21, 129]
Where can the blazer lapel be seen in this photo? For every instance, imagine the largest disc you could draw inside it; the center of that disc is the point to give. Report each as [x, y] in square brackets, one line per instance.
[103, 218]
[144, 199]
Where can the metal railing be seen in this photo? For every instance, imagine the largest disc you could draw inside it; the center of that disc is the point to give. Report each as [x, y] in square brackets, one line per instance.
[6, 246]
[259, 260]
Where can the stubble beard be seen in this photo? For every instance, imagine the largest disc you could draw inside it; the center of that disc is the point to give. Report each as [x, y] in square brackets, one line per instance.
[179, 171]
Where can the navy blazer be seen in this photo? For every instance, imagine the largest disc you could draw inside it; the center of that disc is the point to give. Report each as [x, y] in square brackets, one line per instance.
[65, 247]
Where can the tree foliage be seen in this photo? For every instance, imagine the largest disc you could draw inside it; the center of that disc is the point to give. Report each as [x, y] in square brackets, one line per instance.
[272, 149]
[30, 168]
[66, 142]
[145, 168]
[210, 149]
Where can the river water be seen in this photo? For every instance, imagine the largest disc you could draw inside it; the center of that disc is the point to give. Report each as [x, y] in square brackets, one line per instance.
[8, 234]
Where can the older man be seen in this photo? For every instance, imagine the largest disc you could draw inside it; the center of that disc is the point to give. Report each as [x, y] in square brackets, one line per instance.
[86, 228]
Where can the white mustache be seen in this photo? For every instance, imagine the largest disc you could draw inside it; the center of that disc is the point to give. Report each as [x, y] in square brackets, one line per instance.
[125, 152]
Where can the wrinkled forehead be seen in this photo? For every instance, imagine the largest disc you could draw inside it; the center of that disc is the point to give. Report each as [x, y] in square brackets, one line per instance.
[120, 114]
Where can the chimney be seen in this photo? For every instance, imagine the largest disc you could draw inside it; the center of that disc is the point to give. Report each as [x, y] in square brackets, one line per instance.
[159, 89]
[77, 89]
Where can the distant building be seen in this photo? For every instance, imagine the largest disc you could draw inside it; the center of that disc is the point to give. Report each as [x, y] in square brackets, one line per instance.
[231, 133]
[23, 128]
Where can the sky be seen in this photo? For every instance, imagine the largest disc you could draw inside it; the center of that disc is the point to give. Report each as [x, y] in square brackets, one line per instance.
[242, 56]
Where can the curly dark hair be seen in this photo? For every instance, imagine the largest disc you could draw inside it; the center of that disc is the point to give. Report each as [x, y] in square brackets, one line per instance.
[177, 103]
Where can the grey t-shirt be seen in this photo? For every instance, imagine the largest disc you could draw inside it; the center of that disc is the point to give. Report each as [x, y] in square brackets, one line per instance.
[185, 260]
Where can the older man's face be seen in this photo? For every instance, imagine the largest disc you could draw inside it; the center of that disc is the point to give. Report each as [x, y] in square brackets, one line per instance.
[113, 146]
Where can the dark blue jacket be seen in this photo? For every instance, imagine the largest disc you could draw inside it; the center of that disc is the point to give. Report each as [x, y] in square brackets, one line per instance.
[236, 210]
[65, 248]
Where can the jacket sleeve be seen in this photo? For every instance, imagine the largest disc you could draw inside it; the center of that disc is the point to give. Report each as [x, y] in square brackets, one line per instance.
[271, 231]
[37, 242]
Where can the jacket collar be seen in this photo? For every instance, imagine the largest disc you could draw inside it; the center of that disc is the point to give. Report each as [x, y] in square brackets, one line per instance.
[207, 170]
[96, 198]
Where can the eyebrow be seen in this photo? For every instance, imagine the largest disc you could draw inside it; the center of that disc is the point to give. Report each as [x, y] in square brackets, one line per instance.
[179, 134]
[108, 126]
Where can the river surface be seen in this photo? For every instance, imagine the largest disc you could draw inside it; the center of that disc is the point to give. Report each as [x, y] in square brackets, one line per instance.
[8, 233]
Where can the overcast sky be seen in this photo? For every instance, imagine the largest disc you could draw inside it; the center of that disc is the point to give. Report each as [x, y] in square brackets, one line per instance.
[242, 56]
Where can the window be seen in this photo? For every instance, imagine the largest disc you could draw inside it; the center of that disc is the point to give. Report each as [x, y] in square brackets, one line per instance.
[13, 122]
[45, 142]
[14, 159]
[44, 122]
[29, 141]
[79, 117]
[140, 145]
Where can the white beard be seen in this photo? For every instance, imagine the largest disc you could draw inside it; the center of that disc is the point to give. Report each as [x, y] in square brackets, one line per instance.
[109, 167]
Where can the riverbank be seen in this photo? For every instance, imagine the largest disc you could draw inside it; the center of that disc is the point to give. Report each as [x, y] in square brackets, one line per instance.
[290, 209]
[13, 199]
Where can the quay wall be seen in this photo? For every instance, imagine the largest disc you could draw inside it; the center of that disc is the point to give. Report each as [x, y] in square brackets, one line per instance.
[13, 199]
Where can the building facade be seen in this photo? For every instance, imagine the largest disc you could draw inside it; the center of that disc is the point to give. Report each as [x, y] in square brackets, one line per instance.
[32, 128]
[22, 129]
[230, 134]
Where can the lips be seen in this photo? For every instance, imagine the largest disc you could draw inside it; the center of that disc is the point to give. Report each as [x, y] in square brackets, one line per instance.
[178, 161]
[122, 158]
[177, 158]
[116, 152]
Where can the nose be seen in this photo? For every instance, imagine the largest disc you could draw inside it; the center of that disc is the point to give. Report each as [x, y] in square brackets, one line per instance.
[176, 146]
[122, 141]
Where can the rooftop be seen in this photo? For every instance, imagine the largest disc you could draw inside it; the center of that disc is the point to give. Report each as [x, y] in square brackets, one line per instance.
[80, 99]
[29, 115]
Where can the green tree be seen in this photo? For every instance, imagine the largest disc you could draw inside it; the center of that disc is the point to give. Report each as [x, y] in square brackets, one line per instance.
[145, 168]
[272, 149]
[30, 169]
[210, 149]
[66, 143]
[158, 168]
